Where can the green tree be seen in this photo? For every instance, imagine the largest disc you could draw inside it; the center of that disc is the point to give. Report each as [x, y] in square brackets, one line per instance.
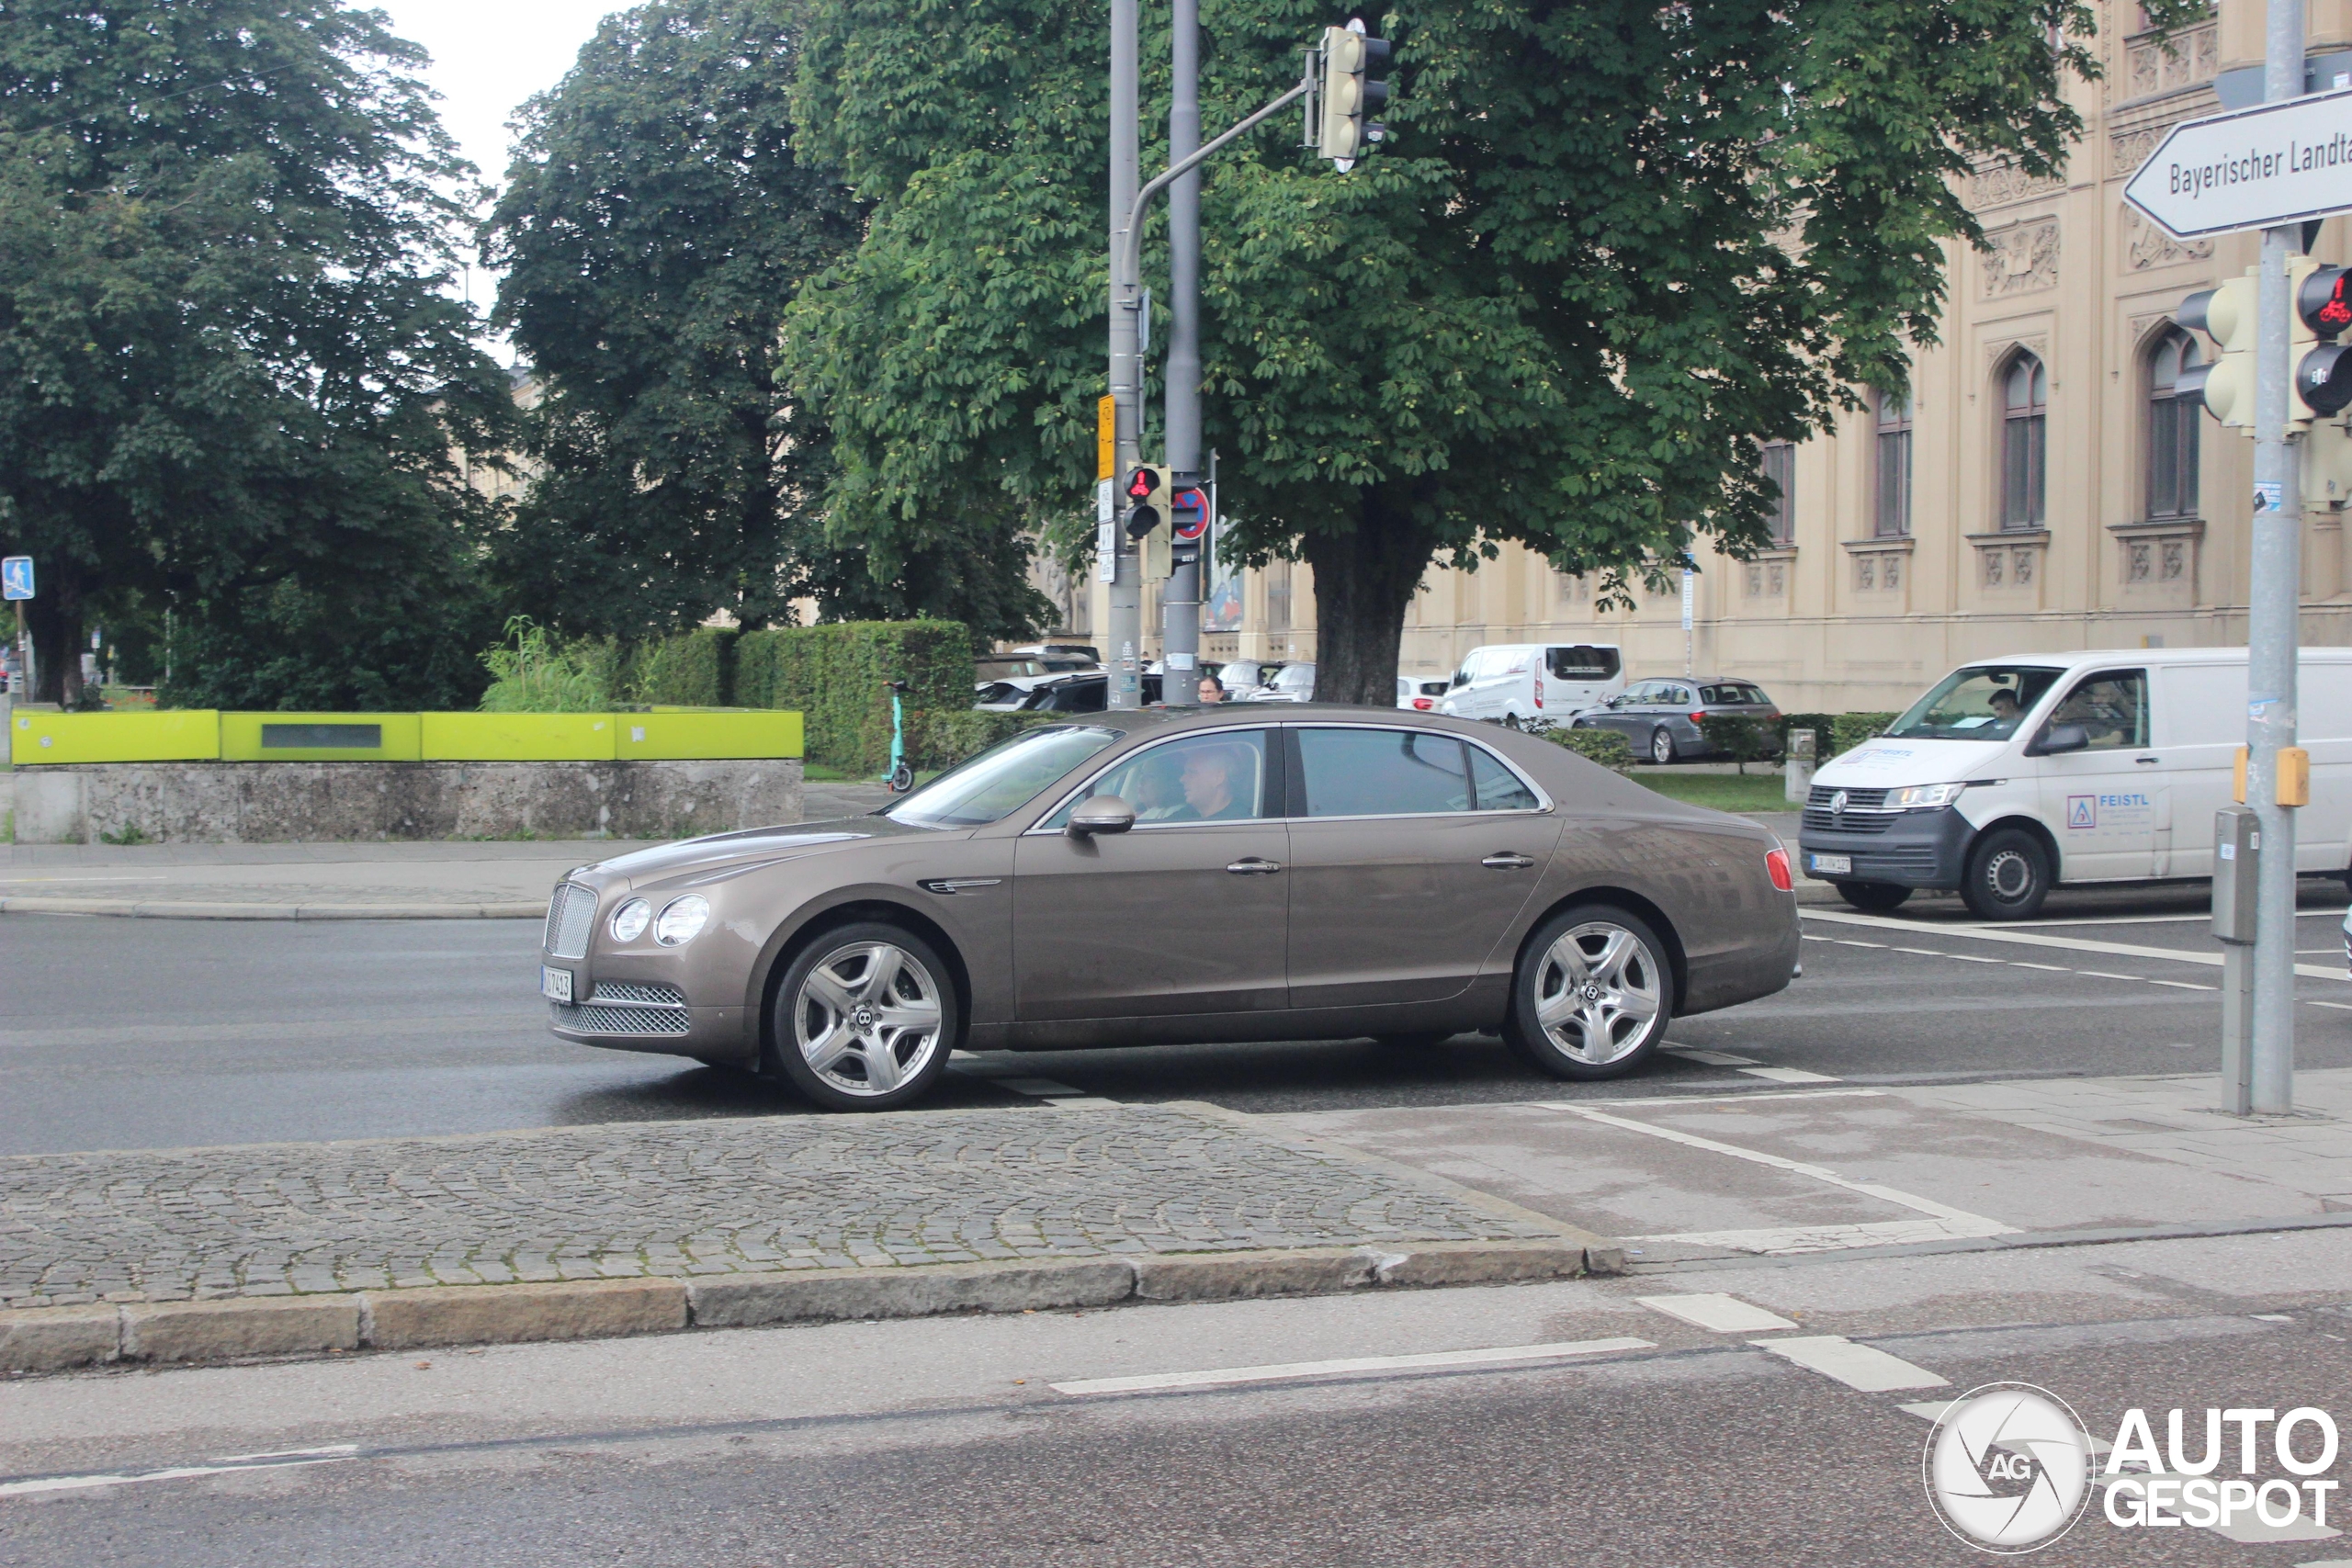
[1607, 249]
[657, 219]
[232, 379]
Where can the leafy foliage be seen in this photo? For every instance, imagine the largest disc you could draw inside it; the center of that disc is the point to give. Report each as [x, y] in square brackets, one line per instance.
[1606, 250]
[230, 380]
[534, 673]
[1605, 747]
[1739, 737]
[837, 675]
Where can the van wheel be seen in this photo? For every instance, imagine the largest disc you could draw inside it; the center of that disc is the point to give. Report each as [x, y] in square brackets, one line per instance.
[1878, 895]
[1661, 746]
[1591, 996]
[2008, 877]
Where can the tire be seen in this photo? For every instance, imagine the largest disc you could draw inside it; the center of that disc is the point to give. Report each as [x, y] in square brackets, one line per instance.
[1661, 746]
[818, 1004]
[2007, 877]
[1428, 1040]
[901, 779]
[1590, 1008]
[1880, 896]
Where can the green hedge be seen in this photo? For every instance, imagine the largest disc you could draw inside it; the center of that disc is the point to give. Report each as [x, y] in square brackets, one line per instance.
[690, 670]
[1823, 726]
[1738, 738]
[944, 738]
[1605, 747]
[1849, 730]
[837, 675]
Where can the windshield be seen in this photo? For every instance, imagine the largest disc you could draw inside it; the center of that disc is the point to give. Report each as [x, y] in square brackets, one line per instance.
[1984, 702]
[1001, 779]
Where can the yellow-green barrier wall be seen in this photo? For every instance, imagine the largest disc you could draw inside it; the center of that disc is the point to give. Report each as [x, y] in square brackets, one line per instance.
[178, 735]
[205, 736]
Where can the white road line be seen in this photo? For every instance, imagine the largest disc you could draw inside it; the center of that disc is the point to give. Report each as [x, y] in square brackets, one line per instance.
[1792, 1241]
[2076, 944]
[1931, 1411]
[176, 1472]
[1709, 1058]
[2054, 969]
[1750, 1097]
[1717, 1312]
[1038, 1087]
[1790, 1074]
[1083, 1103]
[1856, 1366]
[1280, 1370]
[2104, 974]
[1979, 1224]
[2185, 984]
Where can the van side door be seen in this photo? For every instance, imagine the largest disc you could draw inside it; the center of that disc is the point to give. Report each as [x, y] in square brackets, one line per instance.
[2199, 725]
[2108, 802]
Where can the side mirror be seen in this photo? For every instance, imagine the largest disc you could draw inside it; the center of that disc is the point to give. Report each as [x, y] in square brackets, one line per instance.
[1101, 814]
[2058, 738]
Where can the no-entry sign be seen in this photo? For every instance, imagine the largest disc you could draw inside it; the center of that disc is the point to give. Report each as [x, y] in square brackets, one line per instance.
[2251, 169]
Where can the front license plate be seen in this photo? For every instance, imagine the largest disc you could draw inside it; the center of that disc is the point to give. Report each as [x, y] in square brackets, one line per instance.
[555, 984]
[1831, 865]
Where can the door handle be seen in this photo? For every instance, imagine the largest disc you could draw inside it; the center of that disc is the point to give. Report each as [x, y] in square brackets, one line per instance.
[1507, 861]
[2144, 762]
[1254, 867]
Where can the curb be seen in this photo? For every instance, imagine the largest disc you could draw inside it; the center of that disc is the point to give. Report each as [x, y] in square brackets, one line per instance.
[56, 1339]
[164, 910]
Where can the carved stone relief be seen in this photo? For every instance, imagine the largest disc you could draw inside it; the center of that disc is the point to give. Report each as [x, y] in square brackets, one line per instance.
[2155, 66]
[2003, 183]
[2146, 245]
[2020, 259]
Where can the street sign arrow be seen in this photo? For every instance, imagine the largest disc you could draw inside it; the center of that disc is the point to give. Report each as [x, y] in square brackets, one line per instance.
[2255, 168]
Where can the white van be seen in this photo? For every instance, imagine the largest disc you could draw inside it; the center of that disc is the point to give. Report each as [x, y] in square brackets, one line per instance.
[1515, 681]
[2012, 775]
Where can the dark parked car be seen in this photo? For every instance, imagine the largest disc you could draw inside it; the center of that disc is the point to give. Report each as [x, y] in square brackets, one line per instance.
[1662, 718]
[1299, 872]
[1081, 694]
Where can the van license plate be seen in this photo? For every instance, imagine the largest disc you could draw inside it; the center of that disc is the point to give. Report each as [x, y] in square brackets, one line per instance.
[1823, 865]
[555, 984]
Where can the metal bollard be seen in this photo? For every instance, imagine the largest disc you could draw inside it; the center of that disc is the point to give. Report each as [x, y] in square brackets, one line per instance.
[2237, 859]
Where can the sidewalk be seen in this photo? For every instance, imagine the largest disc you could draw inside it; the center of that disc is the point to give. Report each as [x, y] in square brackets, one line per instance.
[436, 880]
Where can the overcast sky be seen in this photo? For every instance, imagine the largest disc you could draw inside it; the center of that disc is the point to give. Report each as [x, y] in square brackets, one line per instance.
[489, 55]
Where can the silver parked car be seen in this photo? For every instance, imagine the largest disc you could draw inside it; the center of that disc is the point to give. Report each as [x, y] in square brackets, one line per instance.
[1159, 876]
[1665, 720]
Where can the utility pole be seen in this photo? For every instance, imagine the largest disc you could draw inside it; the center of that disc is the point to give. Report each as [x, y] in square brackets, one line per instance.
[2273, 602]
[1125, 637]
[1181, 622]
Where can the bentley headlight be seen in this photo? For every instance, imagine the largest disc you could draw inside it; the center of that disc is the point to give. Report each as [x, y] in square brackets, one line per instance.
[683, 920]
[630, 920]
[1924, 797]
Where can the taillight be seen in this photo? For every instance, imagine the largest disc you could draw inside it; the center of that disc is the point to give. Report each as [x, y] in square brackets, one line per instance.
[1539, 690]
[1696, 717]
[1423, 704]
[1777, 863]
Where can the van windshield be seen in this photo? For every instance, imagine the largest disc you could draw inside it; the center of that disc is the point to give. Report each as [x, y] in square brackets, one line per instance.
[1984, 702]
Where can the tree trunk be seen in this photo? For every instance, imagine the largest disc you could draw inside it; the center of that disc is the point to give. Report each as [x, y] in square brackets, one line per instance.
[1365, 578]
[54, 620]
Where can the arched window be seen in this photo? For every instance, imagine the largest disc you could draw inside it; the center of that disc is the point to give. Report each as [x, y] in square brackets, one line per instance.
[2025, 418]
[2172, 428]
[1891, 517]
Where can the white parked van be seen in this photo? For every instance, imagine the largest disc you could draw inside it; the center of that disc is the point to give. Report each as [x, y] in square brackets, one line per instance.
[1515, 681]
[2013, 775]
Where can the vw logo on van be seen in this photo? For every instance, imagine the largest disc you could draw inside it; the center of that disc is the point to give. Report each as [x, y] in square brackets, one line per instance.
[1837, 804]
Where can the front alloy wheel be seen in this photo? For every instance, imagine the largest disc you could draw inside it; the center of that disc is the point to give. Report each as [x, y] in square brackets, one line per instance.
[1593, 995]
[863, 1020]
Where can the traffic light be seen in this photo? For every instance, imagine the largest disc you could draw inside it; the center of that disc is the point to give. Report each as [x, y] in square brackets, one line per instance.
[2327, 467]
[1147, 499]
[2227, 316]
[1354, 89]
[2323, 384]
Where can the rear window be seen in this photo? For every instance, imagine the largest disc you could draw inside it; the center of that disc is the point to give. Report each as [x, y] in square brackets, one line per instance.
[1583, 662]
[1731, 693]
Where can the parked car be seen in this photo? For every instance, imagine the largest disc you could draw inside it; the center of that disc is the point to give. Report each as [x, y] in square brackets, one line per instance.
[1005, 679]
[1513, 682]
[1290, 683]
[1084, 654]
[1421, 695]
[2014, 775]
[1397, 875]
[1239, 677]
[1664, 720]
[1081, 694]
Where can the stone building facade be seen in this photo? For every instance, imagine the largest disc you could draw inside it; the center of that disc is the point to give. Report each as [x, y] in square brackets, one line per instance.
[2040, 489]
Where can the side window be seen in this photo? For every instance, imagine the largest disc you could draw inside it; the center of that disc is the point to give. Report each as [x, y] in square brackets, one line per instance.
[1207, 778]
[2111, 706]
[1499, 788]
[1381, 773]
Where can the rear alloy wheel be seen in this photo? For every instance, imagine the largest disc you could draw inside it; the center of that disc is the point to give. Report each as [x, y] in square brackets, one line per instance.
[1591, 996]
[865, 1019]
[1661, 746]
[1876, 896]
[2008, 877]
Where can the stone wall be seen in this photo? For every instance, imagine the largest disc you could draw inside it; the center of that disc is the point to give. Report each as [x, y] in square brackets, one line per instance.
[221, 803]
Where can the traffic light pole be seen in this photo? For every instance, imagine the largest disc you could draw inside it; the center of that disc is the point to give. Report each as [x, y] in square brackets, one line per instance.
[1181, 617]
[2273, 602]
[1126, 627]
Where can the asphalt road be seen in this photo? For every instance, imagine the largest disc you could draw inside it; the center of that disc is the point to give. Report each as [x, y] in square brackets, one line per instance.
[946, 1441]
[119, 1033]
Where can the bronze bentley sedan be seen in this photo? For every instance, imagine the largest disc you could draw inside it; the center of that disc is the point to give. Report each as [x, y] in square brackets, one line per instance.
[1216, 875]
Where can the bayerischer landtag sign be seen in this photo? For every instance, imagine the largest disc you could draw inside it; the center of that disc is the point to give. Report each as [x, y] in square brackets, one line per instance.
[2253, 168]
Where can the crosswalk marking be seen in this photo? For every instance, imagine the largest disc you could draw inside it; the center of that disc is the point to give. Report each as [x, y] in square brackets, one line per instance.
[1857, 1366]
[1717, 1312]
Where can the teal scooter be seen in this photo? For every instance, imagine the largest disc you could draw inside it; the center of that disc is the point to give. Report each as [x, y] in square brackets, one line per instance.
[900, 778]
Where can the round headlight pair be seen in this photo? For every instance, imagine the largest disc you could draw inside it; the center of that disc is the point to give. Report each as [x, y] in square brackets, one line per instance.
[679, 923]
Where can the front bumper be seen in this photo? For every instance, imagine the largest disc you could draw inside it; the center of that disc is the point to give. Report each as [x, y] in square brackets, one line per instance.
[1907, 849]
[709, 1035]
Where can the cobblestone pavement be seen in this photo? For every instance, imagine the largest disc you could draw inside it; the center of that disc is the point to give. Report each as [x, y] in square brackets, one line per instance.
[693, 1198]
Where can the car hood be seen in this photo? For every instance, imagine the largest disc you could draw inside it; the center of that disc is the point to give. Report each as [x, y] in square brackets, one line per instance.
[751, 846]
[1890, 764]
